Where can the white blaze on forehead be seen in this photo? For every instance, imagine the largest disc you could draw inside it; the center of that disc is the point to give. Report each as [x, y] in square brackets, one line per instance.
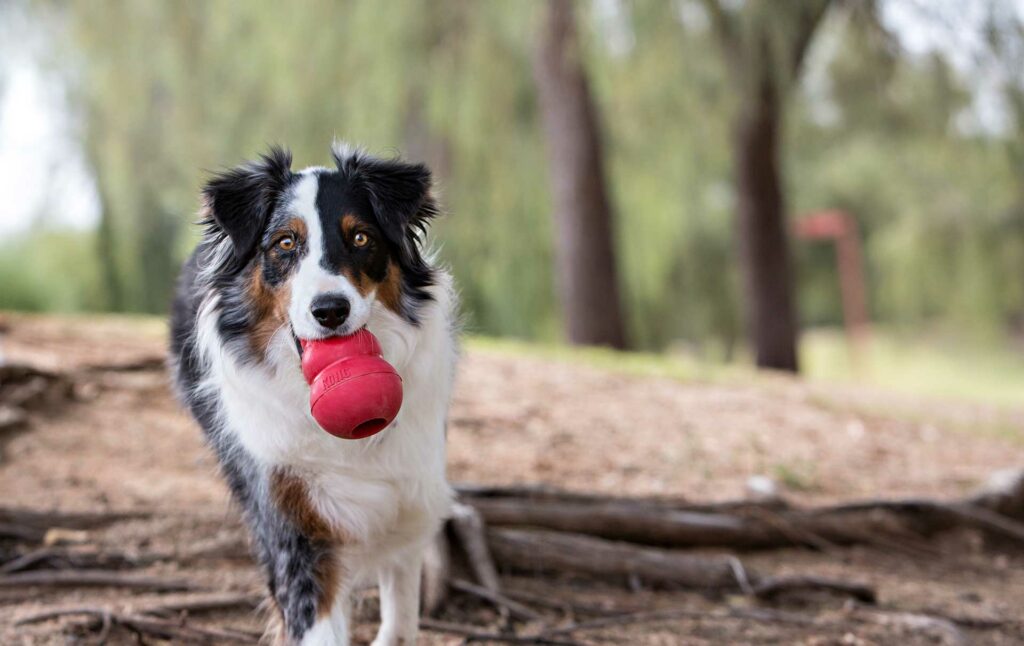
[312, 279]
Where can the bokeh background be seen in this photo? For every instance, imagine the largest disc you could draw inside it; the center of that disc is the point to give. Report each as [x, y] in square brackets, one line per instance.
[710, 128]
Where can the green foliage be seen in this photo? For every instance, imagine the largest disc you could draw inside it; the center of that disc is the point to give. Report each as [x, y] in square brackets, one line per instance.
[169, 90]
[50, 271]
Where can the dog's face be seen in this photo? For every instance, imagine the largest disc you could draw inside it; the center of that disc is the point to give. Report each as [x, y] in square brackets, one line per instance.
[314, 251]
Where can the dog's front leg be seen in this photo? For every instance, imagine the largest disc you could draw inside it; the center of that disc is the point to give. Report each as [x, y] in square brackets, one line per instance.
[400, 600]
[314, 607]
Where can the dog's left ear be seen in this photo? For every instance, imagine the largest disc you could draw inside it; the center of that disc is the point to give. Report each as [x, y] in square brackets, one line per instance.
[399, 193]
[240, 200]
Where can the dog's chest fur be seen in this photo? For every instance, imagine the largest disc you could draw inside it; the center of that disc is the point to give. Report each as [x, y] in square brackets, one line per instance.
[389, 489]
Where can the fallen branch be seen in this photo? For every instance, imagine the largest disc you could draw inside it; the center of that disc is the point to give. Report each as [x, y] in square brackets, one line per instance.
[945, 630]
[176, 630]
[542, 550]
[202, 603]
[95, 578]
[195, 603]
[57, 558]
[566, 607]
[513, 607]
[31, 525]
[476, 634]
[756, 614]
[745, 527]
[470, 492]
[469, 528]
[27, 387]
[771, 587]
[143, 364]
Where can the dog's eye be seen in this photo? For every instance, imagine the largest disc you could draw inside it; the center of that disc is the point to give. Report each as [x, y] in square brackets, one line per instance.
[286, 243]
[360, 239]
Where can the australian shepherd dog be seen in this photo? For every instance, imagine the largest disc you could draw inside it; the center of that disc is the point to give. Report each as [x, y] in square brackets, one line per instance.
[308, 255]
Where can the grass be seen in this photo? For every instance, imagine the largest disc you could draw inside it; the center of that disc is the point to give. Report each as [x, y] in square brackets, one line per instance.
[921, 366]
[645, 364]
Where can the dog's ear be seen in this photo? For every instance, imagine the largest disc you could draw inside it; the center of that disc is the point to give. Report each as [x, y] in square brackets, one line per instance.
[399, 192]
[240, 200]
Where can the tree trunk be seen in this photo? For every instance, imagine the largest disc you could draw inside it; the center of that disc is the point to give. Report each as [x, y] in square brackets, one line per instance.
[587, 277]
[761, 222]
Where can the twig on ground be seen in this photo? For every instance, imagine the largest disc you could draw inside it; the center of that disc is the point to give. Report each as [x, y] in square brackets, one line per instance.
[567, 607]
[95, 578]
[203, 603]
[935, 626]
[163, 628]
[58, 558]
[514, 608]
[143, 364]
[476, 634]
[771, 587]
[470, 530]
[192, 603]
[757, 614]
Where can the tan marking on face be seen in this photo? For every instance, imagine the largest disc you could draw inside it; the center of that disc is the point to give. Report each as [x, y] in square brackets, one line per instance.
[271, 303]
[349, 224]
[389, 292]
[298, 227]
[271, 308]
[362, 284]
[291, 495]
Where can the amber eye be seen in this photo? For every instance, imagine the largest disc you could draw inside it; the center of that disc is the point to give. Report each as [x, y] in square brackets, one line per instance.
[360, 239]
[286, 243]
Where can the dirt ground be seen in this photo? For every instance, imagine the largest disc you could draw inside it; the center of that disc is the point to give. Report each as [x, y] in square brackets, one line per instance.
[123, 443]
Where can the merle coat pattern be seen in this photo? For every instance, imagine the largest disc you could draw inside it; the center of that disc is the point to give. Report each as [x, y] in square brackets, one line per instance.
[305, 255]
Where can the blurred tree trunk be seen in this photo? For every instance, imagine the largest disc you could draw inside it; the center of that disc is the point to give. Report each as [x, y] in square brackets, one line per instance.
[768, 284]
[764, 47]
[585, 261]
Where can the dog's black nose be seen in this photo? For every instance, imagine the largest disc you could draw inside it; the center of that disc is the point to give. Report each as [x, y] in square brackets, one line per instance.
[330, 310]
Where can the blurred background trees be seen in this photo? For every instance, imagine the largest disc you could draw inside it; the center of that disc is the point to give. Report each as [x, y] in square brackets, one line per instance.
[688, 100]
[586, 269]
[764, 46]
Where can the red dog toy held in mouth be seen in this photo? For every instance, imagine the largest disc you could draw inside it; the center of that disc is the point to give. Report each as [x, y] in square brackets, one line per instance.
[354, 393]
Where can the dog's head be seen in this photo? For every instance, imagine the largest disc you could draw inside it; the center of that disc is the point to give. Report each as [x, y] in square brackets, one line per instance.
[315, 250]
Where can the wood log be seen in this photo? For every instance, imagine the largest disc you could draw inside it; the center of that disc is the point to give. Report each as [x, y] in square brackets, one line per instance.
[747, 527]
[543, 550]
[470, 491]
[540, 550]
[95, 578]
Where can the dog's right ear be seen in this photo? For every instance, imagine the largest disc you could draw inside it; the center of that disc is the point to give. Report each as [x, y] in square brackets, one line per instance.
[240, 200]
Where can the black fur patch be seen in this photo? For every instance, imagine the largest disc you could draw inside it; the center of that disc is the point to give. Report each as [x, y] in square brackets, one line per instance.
[241, 201]
[337, 197]
[399, 196]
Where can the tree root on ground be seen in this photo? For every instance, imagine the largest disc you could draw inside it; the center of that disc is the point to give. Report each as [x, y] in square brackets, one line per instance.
[542, 530]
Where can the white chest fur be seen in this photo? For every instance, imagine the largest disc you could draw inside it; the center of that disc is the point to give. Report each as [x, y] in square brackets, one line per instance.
[390, 486]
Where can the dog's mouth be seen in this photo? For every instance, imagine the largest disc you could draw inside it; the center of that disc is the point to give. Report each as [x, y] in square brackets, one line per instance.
[298, 342]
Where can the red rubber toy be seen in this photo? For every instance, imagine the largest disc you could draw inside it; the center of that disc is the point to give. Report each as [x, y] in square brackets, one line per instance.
[354, 393]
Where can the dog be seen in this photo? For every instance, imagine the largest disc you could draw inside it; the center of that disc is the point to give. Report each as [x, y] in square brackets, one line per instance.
[286, 256]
